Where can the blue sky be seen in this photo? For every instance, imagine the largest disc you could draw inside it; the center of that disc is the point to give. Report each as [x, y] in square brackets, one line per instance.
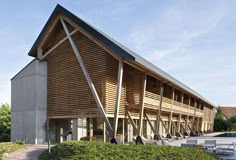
[194, 41]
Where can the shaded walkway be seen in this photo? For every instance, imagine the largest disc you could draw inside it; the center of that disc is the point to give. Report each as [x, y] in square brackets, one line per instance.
[30, 153]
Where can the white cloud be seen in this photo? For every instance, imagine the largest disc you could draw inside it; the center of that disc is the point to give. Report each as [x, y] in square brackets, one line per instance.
[173, 29]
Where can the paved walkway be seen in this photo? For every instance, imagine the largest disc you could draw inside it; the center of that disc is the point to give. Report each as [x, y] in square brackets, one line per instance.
[30, 153]
[220, 142]
[201, 139]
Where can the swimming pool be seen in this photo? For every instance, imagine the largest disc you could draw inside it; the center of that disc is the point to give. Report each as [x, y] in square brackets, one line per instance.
[226, 135]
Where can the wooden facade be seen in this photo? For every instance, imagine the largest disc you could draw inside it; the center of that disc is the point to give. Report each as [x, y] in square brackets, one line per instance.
[148, 103]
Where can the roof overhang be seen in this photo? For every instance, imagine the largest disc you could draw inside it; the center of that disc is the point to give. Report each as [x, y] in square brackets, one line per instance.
[61, 10]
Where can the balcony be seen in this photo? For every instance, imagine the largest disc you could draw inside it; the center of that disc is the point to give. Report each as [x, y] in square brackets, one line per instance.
[152, 101]
[199, 112]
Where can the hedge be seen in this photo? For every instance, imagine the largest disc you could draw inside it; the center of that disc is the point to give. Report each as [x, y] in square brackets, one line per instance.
[78, 150]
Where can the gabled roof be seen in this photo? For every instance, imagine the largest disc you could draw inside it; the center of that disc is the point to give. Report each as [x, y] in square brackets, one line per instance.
[228, 111]
[115, 46]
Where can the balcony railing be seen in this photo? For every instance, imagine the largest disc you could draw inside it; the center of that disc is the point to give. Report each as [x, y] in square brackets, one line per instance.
[153, 101]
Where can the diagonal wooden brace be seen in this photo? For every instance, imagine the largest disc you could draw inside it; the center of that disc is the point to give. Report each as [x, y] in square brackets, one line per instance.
[87, 76]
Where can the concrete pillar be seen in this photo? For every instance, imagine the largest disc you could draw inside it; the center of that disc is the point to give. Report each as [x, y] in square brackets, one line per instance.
[75, 129]
[90, 128]
[123, 131]
[104, 132]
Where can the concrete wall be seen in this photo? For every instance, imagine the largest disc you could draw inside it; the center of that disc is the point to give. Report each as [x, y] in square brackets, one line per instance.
[28, 102]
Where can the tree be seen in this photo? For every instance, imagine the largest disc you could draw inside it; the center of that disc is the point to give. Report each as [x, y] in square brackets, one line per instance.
[233, 119]
[233, 122]
[5, 122]
[220, 123]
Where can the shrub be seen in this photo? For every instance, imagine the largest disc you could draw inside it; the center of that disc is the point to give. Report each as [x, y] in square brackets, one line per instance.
[5, 123]
[8, 147]
[21, 142]
[78, 150]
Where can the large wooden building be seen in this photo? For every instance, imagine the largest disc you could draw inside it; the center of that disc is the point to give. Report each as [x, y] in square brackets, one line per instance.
[86, 85]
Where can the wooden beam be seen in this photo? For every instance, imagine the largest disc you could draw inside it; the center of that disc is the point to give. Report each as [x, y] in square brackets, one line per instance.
[183, 127]
[180, 115]
[174, 126]
[118, 95]
[132, 122]
[171, 112]
[197, 123]
[135, 106]
[149, 122]
[189, 103]
[195, 105]
[160, 105]
[45, 36]
[140, 127]
[55, 46]
[92, 38]
[190, 128]
[163, 123]
[87, 76]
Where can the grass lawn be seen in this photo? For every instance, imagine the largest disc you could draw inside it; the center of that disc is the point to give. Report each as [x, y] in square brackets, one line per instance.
[7, 147]
[78, 150]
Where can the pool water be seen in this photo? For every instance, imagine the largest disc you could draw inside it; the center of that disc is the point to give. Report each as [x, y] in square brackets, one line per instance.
[226, 135]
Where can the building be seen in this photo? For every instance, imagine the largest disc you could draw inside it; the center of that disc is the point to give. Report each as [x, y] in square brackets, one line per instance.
[228, 111]
[84, 84]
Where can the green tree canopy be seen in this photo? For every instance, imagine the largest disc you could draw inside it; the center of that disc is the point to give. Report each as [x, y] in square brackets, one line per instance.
[220, 123]
[233, 119]
[5, 122]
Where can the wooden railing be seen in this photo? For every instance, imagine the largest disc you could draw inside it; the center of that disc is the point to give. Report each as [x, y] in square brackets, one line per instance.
[152, 101]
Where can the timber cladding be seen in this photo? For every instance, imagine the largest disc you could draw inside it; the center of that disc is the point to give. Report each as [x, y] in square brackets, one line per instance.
[68, 92]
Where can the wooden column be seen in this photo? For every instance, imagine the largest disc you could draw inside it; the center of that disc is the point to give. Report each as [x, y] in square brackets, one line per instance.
[132, 123]
[123, 131]
[164, 125]
[171, 112]
[140, 127]
[149, 122]
[118, 94]
[104, 132]
[90, 129]
[180, 115]
[160, 105]
[87, 76]
[187, 120]
[197, 123]
[195, 105]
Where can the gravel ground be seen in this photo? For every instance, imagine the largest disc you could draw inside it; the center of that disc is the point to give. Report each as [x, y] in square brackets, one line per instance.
[30, 153]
